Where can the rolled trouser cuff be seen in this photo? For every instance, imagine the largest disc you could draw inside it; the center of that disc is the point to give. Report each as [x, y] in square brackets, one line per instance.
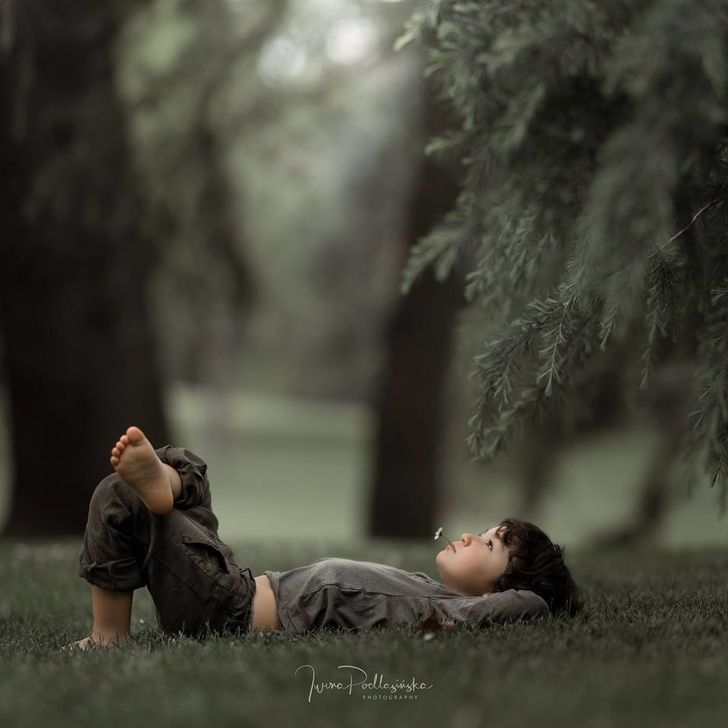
[119, 575]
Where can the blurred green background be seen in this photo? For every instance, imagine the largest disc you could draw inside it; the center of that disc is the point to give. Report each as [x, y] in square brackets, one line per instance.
[314, 456]
[224, 201]
[287, 468]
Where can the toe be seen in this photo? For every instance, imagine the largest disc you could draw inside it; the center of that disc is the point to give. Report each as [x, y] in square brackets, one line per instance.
[116, 452]
[114, 460]
[124, 439]
[135, 435]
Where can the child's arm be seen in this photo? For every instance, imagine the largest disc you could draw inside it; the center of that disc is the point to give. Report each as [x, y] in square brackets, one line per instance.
[511, 605]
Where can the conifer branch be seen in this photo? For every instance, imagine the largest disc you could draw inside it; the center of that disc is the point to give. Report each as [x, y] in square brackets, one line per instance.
[665, 291]
[716, 202]
[584, 129]
[517, 376]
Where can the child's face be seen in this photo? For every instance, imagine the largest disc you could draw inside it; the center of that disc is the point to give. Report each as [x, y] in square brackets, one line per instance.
[475, 565]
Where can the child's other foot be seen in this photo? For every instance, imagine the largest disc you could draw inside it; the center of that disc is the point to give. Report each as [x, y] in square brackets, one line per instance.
[137, 464]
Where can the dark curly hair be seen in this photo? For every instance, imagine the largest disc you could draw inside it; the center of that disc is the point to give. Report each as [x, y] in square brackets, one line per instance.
[537, 564]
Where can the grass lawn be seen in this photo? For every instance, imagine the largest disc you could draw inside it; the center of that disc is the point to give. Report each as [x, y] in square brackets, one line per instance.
[289, 483]
[649, 651]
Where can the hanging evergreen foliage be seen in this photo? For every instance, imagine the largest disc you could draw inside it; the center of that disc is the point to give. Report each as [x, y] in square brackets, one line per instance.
[593, 150]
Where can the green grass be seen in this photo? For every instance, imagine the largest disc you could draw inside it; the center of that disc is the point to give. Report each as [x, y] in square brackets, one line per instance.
[649, 651]
[289, 482]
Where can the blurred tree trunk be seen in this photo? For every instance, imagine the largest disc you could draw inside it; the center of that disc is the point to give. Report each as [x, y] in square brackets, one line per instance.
[407, 467]
[227, 305]
[79, 351]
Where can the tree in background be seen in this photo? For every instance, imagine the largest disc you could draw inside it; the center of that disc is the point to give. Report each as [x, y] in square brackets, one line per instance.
[381, 196]
[323, 175]
[592, 212]
[188, 79]
[79, 356]
[411, 394]
[187, 76]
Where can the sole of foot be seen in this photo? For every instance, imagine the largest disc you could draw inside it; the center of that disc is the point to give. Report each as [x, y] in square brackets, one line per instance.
[137, 464]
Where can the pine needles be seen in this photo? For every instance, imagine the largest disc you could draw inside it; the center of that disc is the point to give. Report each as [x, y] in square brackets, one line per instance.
[594, 172]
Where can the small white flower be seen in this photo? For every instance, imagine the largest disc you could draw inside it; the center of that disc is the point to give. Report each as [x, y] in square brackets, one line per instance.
[439, 533]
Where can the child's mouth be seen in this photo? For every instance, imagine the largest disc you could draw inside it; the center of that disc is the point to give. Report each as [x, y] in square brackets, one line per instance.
[439, 533]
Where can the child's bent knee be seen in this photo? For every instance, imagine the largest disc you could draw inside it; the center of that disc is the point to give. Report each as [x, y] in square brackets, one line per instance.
[112, 494]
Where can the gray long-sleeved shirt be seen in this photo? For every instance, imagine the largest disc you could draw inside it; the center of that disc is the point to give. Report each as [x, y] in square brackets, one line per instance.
[356, 595]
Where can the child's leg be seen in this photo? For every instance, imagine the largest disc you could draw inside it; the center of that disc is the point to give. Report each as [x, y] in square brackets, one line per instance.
[112, 614]
[190, 573]
[112, 617]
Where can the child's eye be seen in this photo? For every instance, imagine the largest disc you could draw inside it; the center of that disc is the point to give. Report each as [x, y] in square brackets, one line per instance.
[490, 545]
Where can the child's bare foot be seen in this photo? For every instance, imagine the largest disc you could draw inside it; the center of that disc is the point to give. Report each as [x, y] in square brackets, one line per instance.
[83, 644]
[96, 640]
[137, 464]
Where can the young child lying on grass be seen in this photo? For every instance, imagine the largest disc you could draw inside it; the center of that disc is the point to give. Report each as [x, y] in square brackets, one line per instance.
[151, 524]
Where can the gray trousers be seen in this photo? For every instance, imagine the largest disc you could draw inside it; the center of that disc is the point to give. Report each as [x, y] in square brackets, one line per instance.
[191, 574]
